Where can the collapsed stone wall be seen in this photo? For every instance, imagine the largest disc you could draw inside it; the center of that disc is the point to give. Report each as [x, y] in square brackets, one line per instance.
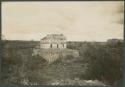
[51, 55]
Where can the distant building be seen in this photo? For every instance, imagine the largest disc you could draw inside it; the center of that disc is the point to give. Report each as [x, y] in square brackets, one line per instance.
[53, 47]
[53, 41]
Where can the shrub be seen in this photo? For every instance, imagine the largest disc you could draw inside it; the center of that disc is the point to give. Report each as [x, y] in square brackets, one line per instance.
[104, 61]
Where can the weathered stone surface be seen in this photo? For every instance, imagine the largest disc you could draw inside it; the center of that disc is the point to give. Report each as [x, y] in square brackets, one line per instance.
[53, 41]
[52, 55]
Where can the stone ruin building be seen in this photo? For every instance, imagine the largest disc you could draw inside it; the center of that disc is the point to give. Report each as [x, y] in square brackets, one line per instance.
[52, 47]
[53, 41]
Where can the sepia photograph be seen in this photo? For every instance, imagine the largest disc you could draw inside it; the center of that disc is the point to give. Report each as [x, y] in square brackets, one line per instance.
[76, 43]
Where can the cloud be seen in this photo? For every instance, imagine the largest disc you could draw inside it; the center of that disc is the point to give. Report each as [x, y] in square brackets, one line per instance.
[120, 13]
[77, 20]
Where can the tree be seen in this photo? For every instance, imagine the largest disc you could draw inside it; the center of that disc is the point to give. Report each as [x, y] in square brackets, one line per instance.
[104, 61]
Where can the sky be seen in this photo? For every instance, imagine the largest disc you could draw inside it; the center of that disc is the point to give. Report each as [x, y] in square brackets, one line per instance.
[78, 21]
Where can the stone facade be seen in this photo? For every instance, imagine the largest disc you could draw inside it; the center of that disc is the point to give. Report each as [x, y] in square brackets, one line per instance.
[53, 41]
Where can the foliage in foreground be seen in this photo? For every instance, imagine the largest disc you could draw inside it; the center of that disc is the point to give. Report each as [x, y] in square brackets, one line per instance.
[104, 62]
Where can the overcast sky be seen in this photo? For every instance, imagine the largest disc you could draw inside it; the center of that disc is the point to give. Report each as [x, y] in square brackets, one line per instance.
[78, 21]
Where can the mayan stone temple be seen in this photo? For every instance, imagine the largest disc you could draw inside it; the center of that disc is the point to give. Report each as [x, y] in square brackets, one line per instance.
[53, 41]
[52, 47]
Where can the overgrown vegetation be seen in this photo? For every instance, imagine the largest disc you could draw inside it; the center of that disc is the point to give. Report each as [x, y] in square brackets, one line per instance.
[104, 61]
[98, 60]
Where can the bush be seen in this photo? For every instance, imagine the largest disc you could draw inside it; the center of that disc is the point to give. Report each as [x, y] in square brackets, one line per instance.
[104, 61]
